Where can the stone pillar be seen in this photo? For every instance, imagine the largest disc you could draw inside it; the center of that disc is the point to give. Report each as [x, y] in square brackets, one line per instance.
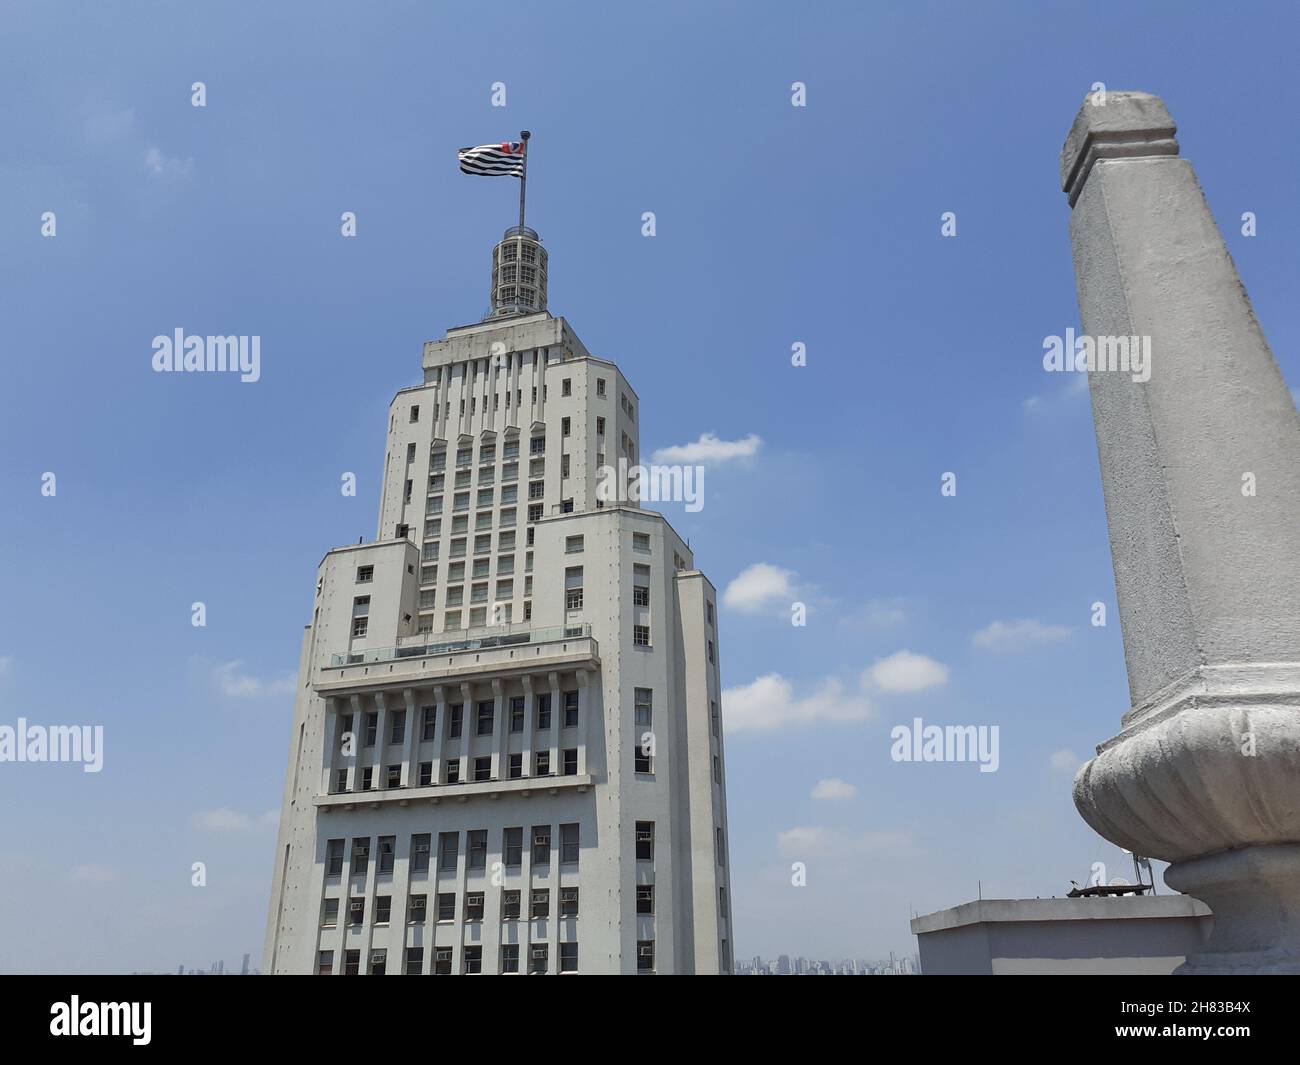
[1200, 468]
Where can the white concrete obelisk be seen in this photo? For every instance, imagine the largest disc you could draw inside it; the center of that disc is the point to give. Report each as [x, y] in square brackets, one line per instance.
[1200, 467]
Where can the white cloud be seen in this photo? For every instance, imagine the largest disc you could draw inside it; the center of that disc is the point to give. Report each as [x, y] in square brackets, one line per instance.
[708, 448]
[904, 671]
[239, 685]
[164, 165]
[812, 841]
[769, 703]
[93, 874]
[224, 820]
[759, 586]
[875, 614]
[833, 788]
[1009, 636]
[102, 124]
[1065, 762]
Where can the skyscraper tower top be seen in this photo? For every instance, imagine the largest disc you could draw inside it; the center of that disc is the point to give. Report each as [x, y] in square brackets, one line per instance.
[518, 274]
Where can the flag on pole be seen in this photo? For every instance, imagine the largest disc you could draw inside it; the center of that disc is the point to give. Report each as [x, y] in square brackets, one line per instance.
[494, 160]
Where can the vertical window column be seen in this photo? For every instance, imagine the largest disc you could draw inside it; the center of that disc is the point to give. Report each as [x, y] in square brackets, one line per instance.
[381, 740]
[530, 724]
[355, 760]
[557, 721]
[334, 729]
[500, 730]
[584, 718]
[409, 775]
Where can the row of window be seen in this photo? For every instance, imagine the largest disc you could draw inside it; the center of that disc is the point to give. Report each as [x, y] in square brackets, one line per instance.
[451, 771]
[476, 849]
[538, 956]
[472, 910]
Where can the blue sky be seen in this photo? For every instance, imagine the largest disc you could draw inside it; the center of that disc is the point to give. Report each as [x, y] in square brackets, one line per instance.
[775, 224]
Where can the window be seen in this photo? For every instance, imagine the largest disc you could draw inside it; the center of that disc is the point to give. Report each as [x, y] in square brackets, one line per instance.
[457, 719]
[393, 778]
[415, 414]
[420, 853]
[474, 906]
[645, 898]
[544, 711]
[448, 850]
[569, 761]
[477, 858]
[356, 911]
[486, 712]
[516, 713]
[351, 962]
[367, 778]
[565, 426]
[442, 961]
[645, 956]
[341, 780]
[600, 426]
[713, 717]
[325, 963]
[537, 955]
[360, 615]
[718, 845]
[510, 901]
[571, 709]
[573, 588]
[572, 544]
[429, 723]
[334, 857]
[641, 635]
[453, 771]
[541, 906]
[414, 961]
[372, 729]
[722, 902]
[417, 909]
[365, 574]
[569, 844]
[645, 841]
[510, 958]
[641, 542]
[513, 849]
[483, 768]
[643, 700]
[537, 445]
[542, 764]
[541, 844]
[516, 769]
[361, 854]
[710, 650]
[640, 595]
[329, 914]
[387, 845]
[446, 906]
[383, 908]
[566, 387]
[717, 770]
[569, 952]
[534, 514]
[600, 386]
[708, 610]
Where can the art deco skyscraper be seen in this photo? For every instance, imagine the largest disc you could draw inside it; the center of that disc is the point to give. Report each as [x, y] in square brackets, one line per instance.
[506, 752]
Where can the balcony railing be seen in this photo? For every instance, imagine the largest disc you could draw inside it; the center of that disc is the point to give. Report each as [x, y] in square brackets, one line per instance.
[439, 644]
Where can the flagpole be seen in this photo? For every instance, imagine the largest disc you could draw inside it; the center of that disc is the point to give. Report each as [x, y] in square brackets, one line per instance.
[523, 179]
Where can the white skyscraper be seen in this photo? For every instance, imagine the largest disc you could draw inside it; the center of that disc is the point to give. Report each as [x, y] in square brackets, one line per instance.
[506, 752]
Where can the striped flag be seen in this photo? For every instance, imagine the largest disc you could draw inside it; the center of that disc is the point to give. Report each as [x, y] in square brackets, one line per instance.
[493, 160]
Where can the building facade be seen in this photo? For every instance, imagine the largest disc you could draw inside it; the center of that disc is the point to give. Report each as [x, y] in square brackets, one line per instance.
[506, 753]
